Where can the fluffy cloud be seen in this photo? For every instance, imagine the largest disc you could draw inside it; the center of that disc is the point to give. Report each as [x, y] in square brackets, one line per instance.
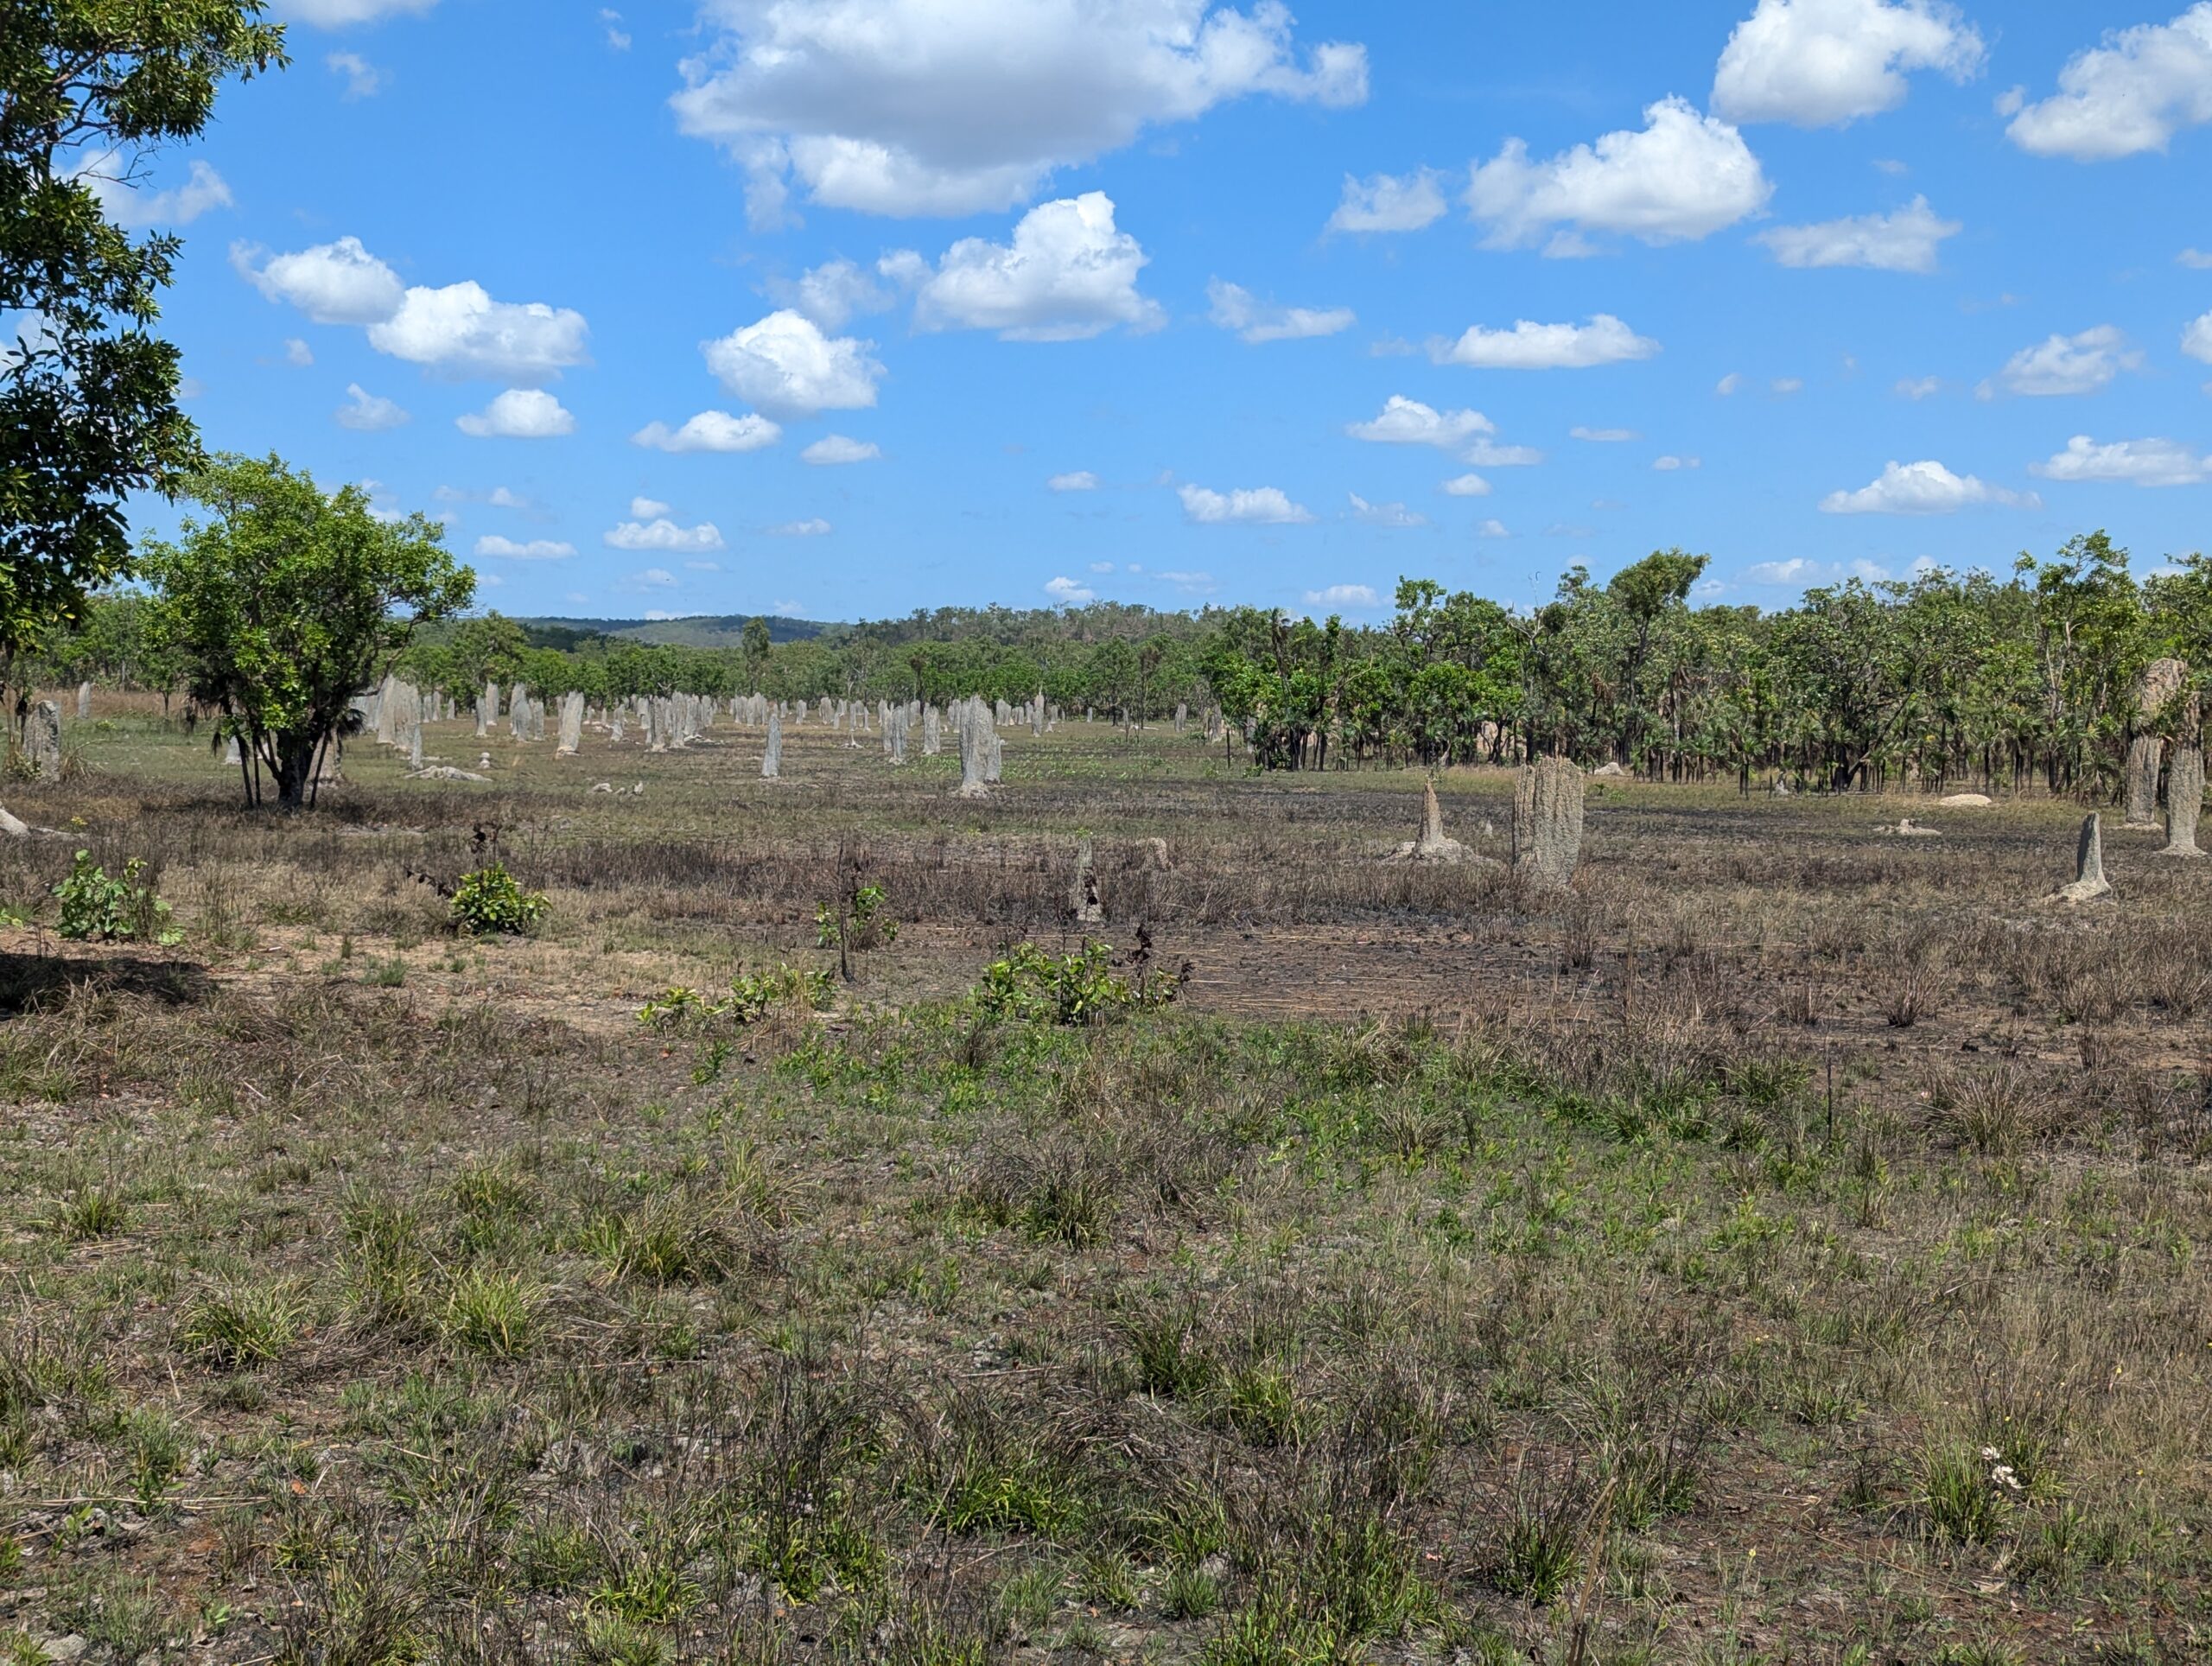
[462, 331]
[1080, 480]
[813, 528]
[833, 293]
[367, 413]
[203, 189]
[1684, 175]
[907, 107]
[1466, 485]
[1263, 505]
[2143, 462]
[839, 449]
[1408, 422]
[1344, 595]
[785, 363]
[337, 14]
[710, 430]
[2066, 364]
[1603, 435]
[647, 508]
[1070, 592]
[2132, 94]
[1488, 453]
[1068, 274]
[1902, 242]
[297, 354]
[665, 536]
[362, 78]
[1820, 63]
[1383, 514]
[459, 330]
[1234, 308]
[1921, 488]
[1492, 528]
[338, 282]
[537, 549]
[1603, 340]
[1669, 465]
[518, 414]
[1385, 202]
[2196, 339]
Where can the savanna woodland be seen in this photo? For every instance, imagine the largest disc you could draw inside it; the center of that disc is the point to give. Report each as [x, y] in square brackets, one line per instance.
[1002, 1136]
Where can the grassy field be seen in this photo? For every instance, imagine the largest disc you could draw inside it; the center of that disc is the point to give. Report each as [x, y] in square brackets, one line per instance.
[1789, 1246]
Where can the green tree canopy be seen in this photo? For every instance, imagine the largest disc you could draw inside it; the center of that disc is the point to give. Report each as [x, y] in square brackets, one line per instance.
[88, 409]
[286, 602]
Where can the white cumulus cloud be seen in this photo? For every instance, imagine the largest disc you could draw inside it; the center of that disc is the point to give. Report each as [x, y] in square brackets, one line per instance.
[362, 78]
[1344, 595]
[710, 430]
[2131, 93]
[1603, 340]
[2067, 364]
[1921, 488]
[833, 293]
[518, 414]
[2141, 462]
[1383, 514]
[337, 14]
[1488, 453]
[1072, 592]
[1820, 63]
[647, 508]
[906, 107]
[1683, 176]
[1902, 242]
[297, 354]
[1386, 202]
[1492, 528]
[1466, 485]
[1263, 505]
[203, 189]
[536, 549]
[1079, 479]
[1068, 274]
[368, 413]
[460, 330]
[338, 282]
[1671, 464]
[664, 536]
[2196, 339]
[786, 364]
[1408, 422]
[1232, 307]
[833, 449]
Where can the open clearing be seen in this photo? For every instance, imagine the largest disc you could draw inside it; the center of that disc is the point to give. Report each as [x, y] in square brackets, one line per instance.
[1791, 1245]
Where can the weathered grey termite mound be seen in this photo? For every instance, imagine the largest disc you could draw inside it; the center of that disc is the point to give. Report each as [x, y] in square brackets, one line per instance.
[772, 760]
[2162, 680]
[2184, 798]
[1432, 845]
[1548, 823]
[2089, 882]
[1082, 895]
[979, 743]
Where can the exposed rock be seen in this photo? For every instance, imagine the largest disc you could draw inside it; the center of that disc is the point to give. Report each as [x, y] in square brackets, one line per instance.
[602, 786]
[1616, 768]
[1548, 823]
[2089, 866]
[1966, 801]
[445, 773]
[12, 827]
[1908, 829]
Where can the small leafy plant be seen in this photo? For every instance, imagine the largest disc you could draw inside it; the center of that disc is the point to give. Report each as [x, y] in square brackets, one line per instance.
[751, 996]
[1034, 986]
[859, 921]
[489, 900]
[95, 904]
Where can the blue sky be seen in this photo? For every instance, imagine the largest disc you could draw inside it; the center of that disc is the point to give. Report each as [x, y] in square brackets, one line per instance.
[842, 307]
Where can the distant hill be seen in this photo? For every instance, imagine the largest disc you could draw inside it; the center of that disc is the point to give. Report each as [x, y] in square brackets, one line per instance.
[706, 631]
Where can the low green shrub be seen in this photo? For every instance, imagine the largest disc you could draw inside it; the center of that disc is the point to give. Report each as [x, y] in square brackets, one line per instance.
[490, 901]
